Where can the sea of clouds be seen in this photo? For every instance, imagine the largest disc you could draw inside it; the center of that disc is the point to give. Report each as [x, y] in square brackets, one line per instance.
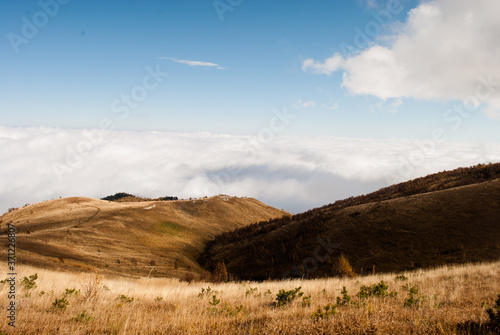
[290, 172]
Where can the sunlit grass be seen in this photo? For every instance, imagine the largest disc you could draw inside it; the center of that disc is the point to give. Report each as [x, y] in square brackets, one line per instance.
[447, 298]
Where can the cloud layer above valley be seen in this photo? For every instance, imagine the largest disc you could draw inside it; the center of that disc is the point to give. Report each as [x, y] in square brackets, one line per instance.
[293, 173]
[446, 50]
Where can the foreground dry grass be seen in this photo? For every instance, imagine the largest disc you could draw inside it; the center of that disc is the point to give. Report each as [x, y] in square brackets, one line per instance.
[449, 298]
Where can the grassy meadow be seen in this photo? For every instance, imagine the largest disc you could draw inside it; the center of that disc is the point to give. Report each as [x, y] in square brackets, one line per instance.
[445, 300]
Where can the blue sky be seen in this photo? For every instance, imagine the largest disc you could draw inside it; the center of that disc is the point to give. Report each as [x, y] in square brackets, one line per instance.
[326, 99]
[91, 52]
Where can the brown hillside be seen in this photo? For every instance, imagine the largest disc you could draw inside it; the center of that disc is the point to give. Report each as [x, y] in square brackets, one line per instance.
[455, 225]
[127, 238]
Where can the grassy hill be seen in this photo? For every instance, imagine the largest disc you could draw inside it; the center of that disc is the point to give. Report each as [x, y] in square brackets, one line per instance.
[157, 238]
[449, 217]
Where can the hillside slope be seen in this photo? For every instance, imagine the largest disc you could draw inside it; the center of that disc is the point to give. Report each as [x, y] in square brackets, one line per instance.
[127, 238]
[456, 225]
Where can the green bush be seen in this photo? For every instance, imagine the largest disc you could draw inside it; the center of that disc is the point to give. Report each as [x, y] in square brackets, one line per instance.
[82, 317]
[29, 282]
[206, 292]
[214, 301]
[250, 291]
[284, 297]
[123, 298]
[326, 311]
[413, 300]
[72, 291]
[226, 309]
[378, 290]
[60, 304]
[346, 298]
[401, 277]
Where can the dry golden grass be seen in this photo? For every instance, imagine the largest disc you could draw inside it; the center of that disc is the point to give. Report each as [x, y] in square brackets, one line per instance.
[450, 297]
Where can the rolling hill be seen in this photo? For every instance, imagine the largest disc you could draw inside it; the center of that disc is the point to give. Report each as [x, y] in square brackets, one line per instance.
[139, 238]
[444, 218]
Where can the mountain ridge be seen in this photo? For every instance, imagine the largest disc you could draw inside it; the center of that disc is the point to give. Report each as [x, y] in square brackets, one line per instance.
[368, 225]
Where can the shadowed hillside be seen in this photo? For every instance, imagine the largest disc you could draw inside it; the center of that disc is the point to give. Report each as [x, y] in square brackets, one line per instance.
[449, 217]
[161, 238]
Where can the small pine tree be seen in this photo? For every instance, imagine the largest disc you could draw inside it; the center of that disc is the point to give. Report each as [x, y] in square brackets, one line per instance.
[220, 273]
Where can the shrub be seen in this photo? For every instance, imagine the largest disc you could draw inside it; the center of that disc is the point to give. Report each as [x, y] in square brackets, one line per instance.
[123, 298]
[306, 301]
[378, 290]
[214, 301]
[29, 282]
[413, 300]
[326, 311]
[346, 298]
[206, 292]
[60, 304]
[72, 291]
[82, 317]
[284, 297]
[226, 309]
[401, 277]
[250, 291]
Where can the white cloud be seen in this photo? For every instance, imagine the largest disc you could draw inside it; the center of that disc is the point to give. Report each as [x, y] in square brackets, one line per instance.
[330, 65]
[304, 104]
[397, 103]
[294, 173]
[446, 50]
[193, 62]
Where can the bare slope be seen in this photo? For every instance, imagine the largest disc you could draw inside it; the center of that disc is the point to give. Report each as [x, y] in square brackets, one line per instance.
[128, 238]
[456, 225]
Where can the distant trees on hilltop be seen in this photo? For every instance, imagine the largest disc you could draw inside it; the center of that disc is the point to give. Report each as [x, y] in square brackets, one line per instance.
[122, 196]
[169, 198]
[118, 196]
